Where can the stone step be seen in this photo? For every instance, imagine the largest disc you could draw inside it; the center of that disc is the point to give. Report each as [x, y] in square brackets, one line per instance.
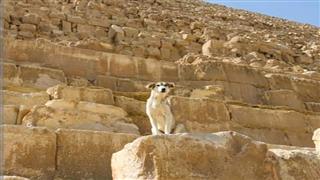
[80, 115]
[222, 155]
[32, 75]
[63, 154]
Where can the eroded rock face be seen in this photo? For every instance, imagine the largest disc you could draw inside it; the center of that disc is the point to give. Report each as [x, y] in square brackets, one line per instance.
[294, 164]
[95, 95]
[29, 152]
[80, 115]
[225, 155]
[87, 154]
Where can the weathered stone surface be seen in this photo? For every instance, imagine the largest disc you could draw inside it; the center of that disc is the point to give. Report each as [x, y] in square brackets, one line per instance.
[200, 115]
[224, 155]
[10, 114]
[27, 99]
[41, 77]
[296, 125]
[87, 154]
[90, 94]
[29, 152]
[313, 106]
[284, 98]
[294, 164]
[80, 115]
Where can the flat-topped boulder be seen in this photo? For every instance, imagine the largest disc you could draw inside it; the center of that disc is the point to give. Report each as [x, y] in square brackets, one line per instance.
[80, 115]
[222, 155]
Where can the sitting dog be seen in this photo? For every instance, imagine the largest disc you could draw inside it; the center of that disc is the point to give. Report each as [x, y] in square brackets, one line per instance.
[158, 109]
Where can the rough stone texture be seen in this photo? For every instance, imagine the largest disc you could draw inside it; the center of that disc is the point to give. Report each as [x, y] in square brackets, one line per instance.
[297, 127]
[294, 164]
[10, 114]
[27, 99]
[29, 152]
[284, 98]
[90, 94]
[87, 154]
[233, 70]
[225, 155]
[200, 115]
[80, 115]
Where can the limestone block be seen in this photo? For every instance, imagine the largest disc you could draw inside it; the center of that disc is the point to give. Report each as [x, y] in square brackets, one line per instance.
[200, 115]
[31, 19]
[284, 98]
[41, 77]
[10, 114]
[80, 115]
[90, 94]
[29, 152]
[87, 154]
[223, 155]
[27, 99]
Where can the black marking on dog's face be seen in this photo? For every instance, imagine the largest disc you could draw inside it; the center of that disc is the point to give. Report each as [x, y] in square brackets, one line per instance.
[161, 87]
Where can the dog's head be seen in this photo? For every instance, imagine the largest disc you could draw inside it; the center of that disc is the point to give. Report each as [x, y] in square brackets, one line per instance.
[161, 87]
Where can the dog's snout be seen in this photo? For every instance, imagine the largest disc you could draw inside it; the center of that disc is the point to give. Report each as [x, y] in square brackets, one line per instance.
[163, 90]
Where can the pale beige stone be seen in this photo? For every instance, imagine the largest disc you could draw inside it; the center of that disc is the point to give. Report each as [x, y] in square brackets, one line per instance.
[29, 152]
[27, 99]
[87, 154]
[293, 164]
[10, 114]
[284, 98]
[80, 115]
[224, 155]
[90, 94]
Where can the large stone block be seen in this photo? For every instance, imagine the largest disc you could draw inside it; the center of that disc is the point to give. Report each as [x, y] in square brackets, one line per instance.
[224, 155]
[242, 92]
[41, 77]
[244, 75]
[90, 94]
[10, 71]
[293, 164]
[200, 115]
[29, 152]
[307, 89]
[148, 69]
[313, 106]
[80, 115]
[279, 81]
[10, 114]
[27, 99]
[87, 154]
[123, 66]
[268, 118]
[284, 98]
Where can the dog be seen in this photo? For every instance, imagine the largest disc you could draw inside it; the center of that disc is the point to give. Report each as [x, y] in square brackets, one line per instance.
[158, 109]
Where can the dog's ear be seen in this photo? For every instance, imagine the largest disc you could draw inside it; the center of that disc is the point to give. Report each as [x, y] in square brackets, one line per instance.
[151, 85]
[171, 85]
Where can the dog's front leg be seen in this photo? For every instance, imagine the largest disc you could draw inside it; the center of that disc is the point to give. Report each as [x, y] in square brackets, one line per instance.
[169, 123]
[154, 126]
